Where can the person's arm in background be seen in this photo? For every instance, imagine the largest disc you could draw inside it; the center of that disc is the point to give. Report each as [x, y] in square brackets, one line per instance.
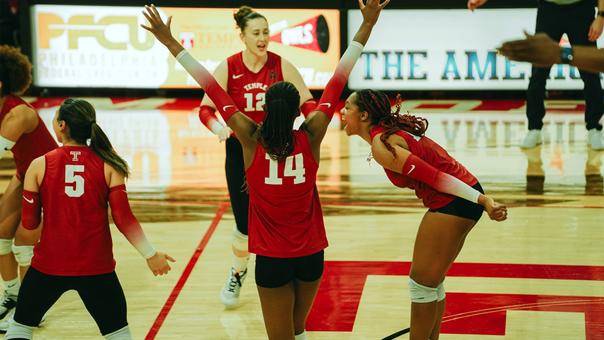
[474, 4]
[19, 120]
[207, 108]
[292, 75]
[595, 29]
[541, 51]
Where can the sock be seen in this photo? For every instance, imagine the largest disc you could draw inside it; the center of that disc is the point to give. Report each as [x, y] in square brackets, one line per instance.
[12, 286]
[240, 263]
[301, 336]
[240, 254]
[121, 334]
[18, 331]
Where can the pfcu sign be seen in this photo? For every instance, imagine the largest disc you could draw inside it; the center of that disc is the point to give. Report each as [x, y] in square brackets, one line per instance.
[52, 26]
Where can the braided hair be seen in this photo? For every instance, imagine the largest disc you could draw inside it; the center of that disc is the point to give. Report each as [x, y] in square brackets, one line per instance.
[377, 104]
[282, 108]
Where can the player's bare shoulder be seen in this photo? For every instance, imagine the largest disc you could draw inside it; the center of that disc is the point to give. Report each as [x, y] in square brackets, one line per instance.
[22, 117]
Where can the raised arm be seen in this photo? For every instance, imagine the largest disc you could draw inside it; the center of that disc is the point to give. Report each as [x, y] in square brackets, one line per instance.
[243, 126]
[317, 122]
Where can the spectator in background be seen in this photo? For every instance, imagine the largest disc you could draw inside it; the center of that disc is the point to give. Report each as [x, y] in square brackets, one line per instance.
[9, 23]
[541, 51]
[575, 18]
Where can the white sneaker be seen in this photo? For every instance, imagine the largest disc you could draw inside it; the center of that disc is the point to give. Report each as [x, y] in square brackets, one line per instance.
[8, 303]
[230, 292]
[4, 324]
[532, 139]
[10, 318]
[594, 138]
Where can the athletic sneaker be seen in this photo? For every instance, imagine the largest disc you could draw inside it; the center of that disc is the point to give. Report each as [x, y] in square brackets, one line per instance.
[5, 324]
[532, 139]
[8, 303]
[230, 292]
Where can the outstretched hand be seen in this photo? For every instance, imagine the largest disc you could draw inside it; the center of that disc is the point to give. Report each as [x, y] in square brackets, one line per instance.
[539, 50]
[497, 211]
[371, 10]
[158, 263]
[157, 27]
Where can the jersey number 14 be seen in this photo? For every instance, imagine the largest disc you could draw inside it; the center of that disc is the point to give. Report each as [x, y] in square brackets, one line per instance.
[291, 169]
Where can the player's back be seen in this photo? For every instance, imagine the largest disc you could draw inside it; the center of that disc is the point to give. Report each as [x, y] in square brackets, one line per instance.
[75, 237]
[285, 216]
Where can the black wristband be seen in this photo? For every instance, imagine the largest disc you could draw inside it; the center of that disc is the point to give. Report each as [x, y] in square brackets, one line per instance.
[566, 55]
[600, 13]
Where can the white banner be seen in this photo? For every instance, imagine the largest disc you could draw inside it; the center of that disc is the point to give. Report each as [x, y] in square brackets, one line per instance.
[448, 50]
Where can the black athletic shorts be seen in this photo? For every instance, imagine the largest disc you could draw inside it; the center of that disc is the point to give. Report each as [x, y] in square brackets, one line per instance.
[463, 208]
[273, 272]
[102, 295]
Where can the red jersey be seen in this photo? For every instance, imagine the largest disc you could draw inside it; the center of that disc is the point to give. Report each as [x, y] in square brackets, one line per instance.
[433, 154]
[248, 88]
[285, 217]
[30, 145]
[75, 236]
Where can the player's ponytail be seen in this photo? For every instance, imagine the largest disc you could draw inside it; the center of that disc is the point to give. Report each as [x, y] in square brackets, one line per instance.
[276, 133]
[377, 104]
[80, 117]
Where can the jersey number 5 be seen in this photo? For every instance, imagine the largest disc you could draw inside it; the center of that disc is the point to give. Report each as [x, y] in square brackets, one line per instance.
[297, 173]
[74, 183]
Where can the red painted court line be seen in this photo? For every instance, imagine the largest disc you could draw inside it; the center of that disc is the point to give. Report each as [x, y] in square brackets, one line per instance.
[161, 317]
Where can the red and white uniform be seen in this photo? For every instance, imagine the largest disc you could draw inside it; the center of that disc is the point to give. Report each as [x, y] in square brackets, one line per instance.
[285, 216]
[433, 154]
[75, 236]
[30, 145]
[248, 88]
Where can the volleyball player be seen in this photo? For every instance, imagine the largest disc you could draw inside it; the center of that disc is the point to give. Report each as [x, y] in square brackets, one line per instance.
[287, 233]
[22, 132]
[452, 194]
[72, 186]
[245, 76]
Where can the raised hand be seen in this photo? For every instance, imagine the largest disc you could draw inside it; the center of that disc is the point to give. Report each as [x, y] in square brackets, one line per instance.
[595, 30]
[158, 263]
[474, 4]
[371, 10]
[157, 27]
